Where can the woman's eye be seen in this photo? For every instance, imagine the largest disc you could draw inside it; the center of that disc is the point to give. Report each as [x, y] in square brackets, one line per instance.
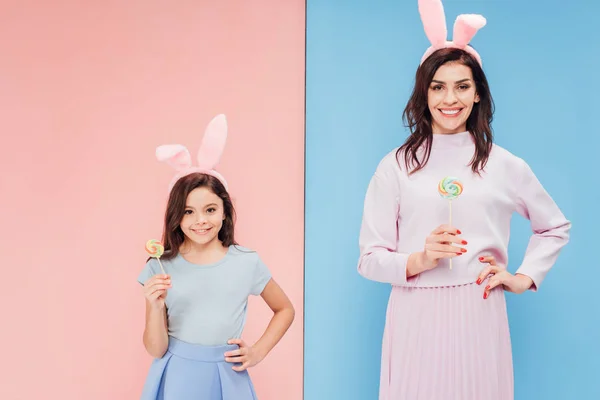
[211, 210]
[188, 212]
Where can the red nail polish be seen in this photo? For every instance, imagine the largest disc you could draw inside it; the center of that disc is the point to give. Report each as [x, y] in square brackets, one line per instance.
[463, 250]
[479, 281]
[480, 258]
[459, 232]
[487, 287]
[464, 242]
[485, 295]
[459, 254]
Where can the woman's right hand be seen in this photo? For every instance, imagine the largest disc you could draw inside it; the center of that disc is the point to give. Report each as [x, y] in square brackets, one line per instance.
[441, 243]
[155, 290]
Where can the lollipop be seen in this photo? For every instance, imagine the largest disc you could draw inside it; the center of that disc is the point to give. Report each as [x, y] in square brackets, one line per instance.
[450, 188]
[155, 249]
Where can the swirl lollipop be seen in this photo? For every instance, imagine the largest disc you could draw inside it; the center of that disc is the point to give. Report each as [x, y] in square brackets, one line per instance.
[450, 188]
[155, 249]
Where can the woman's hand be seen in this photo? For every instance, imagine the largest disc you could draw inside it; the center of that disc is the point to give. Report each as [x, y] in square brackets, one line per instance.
[500, 276]
[440, 244]
[245, 355]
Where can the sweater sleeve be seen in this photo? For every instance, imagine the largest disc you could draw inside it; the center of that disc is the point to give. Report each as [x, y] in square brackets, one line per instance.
[549, 225]
[379, 261]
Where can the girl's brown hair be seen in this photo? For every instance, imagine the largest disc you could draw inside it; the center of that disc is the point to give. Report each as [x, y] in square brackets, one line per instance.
[173, 236]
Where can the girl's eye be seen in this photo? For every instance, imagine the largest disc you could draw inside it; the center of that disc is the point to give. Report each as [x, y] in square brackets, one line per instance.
[211, 210]
[188, 212]
[437, 87]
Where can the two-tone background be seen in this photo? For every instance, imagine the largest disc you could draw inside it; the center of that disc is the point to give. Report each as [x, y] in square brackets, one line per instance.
[313, 91]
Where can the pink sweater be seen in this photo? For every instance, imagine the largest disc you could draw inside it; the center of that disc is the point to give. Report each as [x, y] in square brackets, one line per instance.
[400, 211]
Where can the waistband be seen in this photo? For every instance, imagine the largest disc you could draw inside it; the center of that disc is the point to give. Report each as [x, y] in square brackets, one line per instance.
[199, 352]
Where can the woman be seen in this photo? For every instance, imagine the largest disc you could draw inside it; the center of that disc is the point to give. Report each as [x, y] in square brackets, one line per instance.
[447, 334]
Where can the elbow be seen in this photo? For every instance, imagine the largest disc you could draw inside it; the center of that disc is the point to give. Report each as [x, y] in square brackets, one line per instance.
[564, 229]
[157, 354]
[567, 230]
[363, 266]
[285, 316]
[560, 231]
[287, 312]
[156, 351]
[154, 348]
[291, 311]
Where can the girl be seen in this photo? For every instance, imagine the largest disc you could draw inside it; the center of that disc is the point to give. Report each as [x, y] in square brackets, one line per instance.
[195, 313]
[446, 334]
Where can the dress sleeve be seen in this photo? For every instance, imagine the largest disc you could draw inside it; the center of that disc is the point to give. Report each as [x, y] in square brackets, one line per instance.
[379, 259]
[550, 227]
[262, 276]
[150, 269]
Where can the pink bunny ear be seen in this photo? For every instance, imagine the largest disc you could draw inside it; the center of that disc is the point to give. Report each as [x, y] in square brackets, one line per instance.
[176, 155]
[213, 142]
[434, 22]
[465, 27]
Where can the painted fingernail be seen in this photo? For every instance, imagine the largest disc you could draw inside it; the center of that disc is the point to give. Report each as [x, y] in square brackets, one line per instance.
[463, 250]
[480, 258]
[479, 281]
[464, 242]
[485, 295]
[459, 254]
[487, 287]
[458, 231]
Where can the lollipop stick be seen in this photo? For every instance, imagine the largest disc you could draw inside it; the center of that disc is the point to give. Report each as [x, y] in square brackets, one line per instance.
[161, 266]
[450, 208]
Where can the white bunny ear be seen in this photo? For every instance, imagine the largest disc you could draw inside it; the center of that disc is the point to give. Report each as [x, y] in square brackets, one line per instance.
[176, 155]
[213, 142]
[465, 27]
[434, 22]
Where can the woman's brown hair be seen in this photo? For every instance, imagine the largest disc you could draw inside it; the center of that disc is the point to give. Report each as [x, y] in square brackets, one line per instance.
[417, 116]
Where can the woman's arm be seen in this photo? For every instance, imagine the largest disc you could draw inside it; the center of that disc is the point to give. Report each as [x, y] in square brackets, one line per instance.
[379, 259]
[551, 230]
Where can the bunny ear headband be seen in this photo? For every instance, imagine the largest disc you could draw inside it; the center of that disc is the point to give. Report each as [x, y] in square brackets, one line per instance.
[211, 149]
[434, 22]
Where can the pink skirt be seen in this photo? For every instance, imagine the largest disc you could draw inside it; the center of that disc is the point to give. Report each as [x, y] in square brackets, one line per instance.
[446, 343]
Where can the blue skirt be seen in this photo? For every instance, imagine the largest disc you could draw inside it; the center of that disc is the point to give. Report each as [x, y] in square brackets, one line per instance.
[193, 372]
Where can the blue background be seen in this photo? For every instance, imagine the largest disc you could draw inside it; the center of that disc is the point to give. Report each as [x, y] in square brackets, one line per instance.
[541, 58]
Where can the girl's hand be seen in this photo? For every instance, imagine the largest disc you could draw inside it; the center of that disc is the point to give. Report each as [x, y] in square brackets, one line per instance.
[439, 244]
[155, 290]
[511, 283]
[245, 355]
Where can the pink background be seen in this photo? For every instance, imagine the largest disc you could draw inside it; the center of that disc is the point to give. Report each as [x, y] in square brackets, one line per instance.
[87, 91]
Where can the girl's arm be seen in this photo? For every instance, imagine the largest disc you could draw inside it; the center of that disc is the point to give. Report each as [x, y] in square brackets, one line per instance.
[156, 339]
[283, 316]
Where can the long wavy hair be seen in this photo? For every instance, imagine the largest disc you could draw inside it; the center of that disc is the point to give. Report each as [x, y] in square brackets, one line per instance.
[418, 119]
[173, 236]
